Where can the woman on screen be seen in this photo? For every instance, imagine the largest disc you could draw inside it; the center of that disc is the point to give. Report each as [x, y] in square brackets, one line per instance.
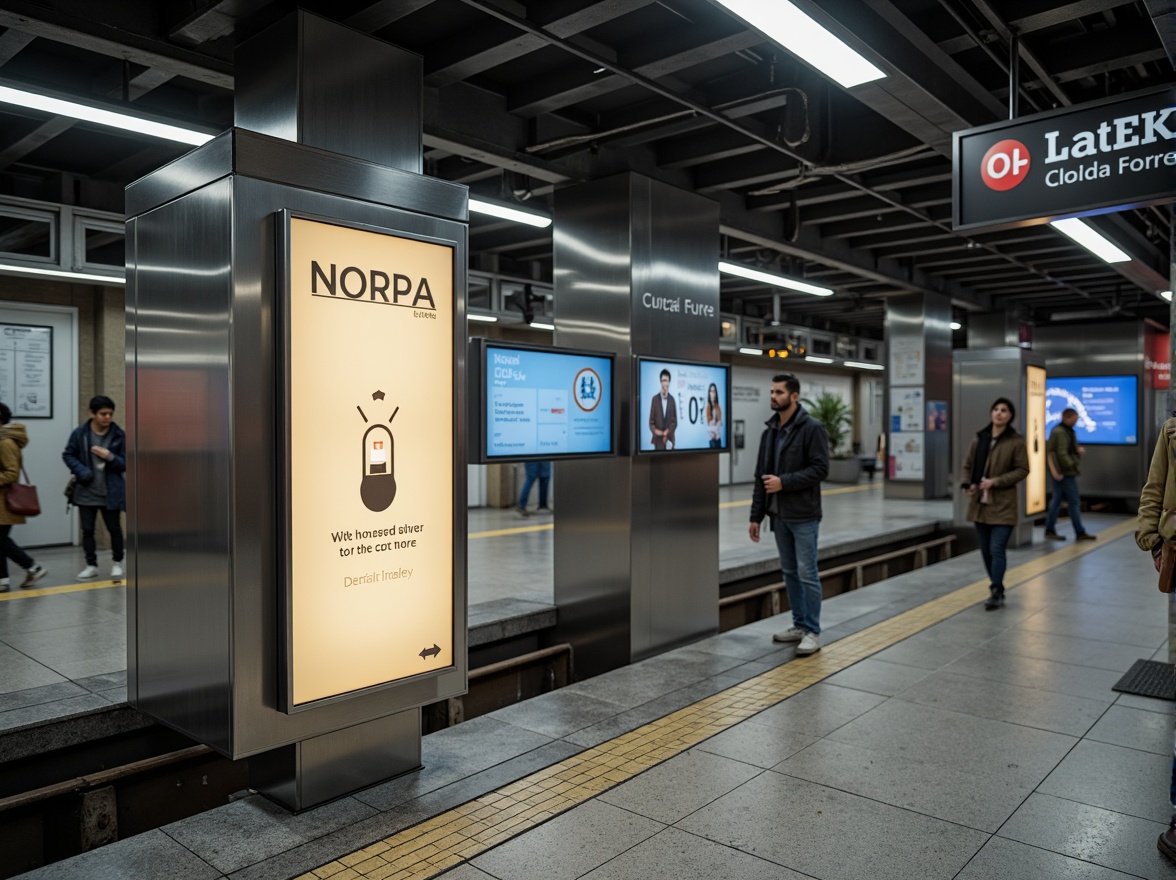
[714, 417]
[996, 462]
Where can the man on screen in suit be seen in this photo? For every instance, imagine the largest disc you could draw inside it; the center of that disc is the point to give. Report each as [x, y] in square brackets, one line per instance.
[663, 415]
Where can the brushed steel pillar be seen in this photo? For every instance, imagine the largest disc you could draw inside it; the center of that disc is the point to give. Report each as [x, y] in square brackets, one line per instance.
[636, 537]
[919, 324]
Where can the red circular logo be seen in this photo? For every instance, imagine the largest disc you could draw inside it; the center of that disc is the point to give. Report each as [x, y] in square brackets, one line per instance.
[1004, 165]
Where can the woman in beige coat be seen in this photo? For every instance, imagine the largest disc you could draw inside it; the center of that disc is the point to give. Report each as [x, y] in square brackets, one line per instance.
[996, 462]
[13, 438]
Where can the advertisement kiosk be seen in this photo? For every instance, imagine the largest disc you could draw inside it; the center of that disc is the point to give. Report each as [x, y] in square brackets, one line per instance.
[295, 323]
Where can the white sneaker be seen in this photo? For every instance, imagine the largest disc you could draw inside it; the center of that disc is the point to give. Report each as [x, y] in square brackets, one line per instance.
[116, 571]
[810, 644]
[5, 583]
[33, 575]
[88, 572]
[790, 635]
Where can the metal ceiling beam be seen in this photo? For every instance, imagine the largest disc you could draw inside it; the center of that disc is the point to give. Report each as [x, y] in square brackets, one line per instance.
[11, 42]
[41, 20]
[1024, 52]
[215, 20]
[379, 15]
[1063, 13]
[484, 47]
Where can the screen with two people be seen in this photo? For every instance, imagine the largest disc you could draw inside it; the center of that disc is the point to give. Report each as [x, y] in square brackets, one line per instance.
[682, 406]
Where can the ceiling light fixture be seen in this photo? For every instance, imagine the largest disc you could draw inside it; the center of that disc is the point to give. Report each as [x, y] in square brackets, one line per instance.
[540, 325]
[1165, 295]
[783, 23]
[101, 116]
[956, 325]
[1091, 239]
[60, 273]
[776, 280]
[756, 351]
[862, 366]
[478, 206]
[812, 359]
[486, 319]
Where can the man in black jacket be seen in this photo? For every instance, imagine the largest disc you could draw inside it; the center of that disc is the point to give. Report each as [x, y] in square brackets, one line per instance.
[793, 459]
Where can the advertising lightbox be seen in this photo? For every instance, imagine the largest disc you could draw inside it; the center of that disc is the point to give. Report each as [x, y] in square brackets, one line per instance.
[1107, 407]
[682, 406]
[366, 331]
[540, 403]
[1035, 439]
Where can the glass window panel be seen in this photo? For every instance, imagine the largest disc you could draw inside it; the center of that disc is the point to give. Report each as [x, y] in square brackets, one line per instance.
[105, 248]
[26, 237]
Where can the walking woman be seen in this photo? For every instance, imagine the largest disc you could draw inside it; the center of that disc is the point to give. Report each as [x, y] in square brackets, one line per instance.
[1155, 526]
[996, 462]
[13, 438]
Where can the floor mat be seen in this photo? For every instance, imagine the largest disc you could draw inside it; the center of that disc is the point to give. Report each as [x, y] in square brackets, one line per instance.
[1149, 678]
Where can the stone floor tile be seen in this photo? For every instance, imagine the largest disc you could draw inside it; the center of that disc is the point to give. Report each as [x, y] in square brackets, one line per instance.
[681, 785]
[675, 855]
[1114, 778]
[1002, 859]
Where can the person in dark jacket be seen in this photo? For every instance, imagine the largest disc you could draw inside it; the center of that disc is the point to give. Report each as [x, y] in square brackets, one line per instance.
[96, 455]
[997, 460]
[793, 460]
[1064, 455]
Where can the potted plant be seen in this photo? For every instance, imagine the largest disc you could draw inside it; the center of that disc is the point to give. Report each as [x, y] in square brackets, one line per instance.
[836, 418]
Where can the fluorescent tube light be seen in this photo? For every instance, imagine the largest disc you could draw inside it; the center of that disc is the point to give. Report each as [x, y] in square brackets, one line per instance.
[862, 366]
[478, 206]
[59, 273]
[1091, 239]
[813, 359]
[783, 23]
[751, 351]
[776, 280]
[1165, 295]
[539, 325]
[86, 113]
[956, 325]
[486, 319]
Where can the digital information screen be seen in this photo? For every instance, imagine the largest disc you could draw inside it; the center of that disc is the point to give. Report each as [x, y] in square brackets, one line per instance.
[1106, 406]
[682, 406]
[546, 403]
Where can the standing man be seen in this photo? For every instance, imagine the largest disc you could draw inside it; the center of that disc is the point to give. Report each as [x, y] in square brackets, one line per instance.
[1063, 454]
[96, 455]
[663, 415]
[793, 459]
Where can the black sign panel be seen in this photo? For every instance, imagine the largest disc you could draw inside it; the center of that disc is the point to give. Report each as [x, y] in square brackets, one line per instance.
[1105, 155]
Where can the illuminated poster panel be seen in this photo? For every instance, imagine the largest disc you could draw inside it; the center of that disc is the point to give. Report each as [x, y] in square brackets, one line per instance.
[369, 414]
[682, 406]
[1035, 439]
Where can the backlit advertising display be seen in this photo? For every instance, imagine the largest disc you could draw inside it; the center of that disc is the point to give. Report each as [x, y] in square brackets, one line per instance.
[682, 406]
[544, 403]
[1107, 408]
[1035, 439]
[366, 330]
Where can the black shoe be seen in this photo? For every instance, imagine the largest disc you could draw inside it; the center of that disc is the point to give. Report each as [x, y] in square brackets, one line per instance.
[995, 600]
[522, 511]
[1086, 536]
[1054, 536]
[1167, 841]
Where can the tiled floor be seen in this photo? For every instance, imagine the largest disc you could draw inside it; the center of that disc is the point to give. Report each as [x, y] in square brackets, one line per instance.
[928, 738]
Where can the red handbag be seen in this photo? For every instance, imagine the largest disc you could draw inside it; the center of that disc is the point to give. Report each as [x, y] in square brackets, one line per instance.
[21, 498]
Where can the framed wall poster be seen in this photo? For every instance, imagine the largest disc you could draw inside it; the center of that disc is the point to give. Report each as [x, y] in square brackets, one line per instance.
[26, 370]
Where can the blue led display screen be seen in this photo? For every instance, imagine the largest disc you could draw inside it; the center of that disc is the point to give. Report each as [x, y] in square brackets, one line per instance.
[546, 404]
[682, 407]
[1106, 406]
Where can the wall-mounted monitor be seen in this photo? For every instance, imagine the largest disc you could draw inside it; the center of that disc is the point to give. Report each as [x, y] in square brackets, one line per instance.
[682, 406]
[1107, 407]
[534, 402]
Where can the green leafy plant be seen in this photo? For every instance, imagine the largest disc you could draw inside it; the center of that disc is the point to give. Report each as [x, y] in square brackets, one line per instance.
[835, 417]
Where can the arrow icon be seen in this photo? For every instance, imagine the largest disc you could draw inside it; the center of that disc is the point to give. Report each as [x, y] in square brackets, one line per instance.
[433, 651]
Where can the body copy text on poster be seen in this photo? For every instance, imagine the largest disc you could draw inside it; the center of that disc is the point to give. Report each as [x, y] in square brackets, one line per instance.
[371, 458]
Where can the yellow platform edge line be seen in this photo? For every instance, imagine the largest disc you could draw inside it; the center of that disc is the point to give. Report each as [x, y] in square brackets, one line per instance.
[17, 593]
[464, 832]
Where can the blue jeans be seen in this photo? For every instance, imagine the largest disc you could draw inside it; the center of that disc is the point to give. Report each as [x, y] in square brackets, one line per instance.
[797, 543]
[1065, 489]
[993, 541]
[536, 470]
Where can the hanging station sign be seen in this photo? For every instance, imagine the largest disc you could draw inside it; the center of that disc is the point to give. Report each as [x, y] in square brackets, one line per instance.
[1097, 157]
[367, 334]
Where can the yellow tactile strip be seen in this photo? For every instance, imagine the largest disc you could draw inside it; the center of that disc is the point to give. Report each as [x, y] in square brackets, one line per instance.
[464, 832]
[17, 593]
